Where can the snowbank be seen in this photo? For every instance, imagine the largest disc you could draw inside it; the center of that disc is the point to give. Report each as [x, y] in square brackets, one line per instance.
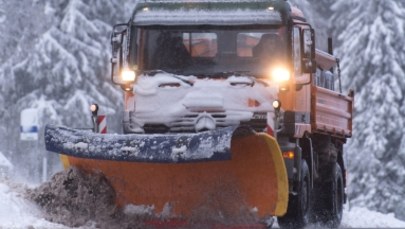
[16, 212]
[358, 217]
[5, 166]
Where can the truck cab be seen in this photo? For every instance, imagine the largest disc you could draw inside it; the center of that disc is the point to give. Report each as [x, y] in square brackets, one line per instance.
[247, 46]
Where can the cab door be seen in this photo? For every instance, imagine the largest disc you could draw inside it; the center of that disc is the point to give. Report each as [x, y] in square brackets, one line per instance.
[296, 101]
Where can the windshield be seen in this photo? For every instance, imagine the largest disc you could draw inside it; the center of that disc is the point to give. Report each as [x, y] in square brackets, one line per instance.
[213, 51]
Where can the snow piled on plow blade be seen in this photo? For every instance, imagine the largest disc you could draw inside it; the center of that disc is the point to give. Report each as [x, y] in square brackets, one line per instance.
[78, 199]
[167, 148]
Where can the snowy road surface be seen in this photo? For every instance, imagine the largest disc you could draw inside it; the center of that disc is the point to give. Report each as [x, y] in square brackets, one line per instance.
[17, 212]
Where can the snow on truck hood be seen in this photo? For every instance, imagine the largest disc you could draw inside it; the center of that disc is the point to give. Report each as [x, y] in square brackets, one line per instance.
[179, 92]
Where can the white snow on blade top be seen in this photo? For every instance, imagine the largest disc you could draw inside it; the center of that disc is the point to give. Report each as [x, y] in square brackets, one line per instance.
[97, 143]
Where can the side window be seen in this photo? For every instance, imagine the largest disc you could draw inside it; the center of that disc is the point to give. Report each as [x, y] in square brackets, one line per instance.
[325, 79]
[201, 44]
[297, 51]
[134, 46]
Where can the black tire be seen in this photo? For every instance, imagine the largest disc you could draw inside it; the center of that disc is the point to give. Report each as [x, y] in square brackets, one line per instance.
[298, 211]
[334, 210]
[328, 207]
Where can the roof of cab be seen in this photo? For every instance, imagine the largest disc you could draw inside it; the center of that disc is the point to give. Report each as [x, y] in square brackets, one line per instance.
[211, 12]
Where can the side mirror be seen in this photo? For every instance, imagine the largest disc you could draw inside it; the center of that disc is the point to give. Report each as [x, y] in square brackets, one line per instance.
[308, 51]
[118, 44]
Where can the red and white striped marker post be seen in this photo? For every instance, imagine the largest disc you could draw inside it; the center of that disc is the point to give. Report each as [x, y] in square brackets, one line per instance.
[102, 124]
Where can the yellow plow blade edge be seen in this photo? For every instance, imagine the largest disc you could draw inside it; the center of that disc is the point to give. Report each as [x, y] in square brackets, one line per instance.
[256, 175]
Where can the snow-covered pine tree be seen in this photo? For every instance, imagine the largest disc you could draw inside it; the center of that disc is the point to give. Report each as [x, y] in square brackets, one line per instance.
[2, 112]
[19, 26]
[19, 29]
[66, 70]
[68, 67]
[322, 8]
[316, 17]
[370, 35]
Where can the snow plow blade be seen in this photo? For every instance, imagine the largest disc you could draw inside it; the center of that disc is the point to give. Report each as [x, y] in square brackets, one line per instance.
[173, 148]
[250, 171]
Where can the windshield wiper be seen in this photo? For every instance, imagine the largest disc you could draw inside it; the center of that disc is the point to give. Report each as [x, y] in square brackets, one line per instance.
[238, 73]
[156, 71]
[153, 72]
[226, 74]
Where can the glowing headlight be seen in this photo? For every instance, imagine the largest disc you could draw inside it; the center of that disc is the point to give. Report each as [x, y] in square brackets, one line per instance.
[276, 104]
[128, 75]
[280, 74]
[94, 109]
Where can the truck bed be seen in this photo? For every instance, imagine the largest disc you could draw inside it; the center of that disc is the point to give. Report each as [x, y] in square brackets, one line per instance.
[331, 112]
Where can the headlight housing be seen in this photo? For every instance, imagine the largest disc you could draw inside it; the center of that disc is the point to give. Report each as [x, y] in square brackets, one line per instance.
[128, 76]
[280, 74]
[94, 108]
[276, 104]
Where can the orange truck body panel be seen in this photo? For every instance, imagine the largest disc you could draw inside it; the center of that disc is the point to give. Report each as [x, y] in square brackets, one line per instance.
[331, 112]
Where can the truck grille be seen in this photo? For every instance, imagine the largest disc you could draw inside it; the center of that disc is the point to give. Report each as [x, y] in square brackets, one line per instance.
[187, 122]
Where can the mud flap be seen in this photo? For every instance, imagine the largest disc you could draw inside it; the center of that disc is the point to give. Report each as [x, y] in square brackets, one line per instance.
[254, 177]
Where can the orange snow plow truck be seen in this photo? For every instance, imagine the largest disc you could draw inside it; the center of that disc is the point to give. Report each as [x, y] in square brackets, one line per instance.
[221, 95]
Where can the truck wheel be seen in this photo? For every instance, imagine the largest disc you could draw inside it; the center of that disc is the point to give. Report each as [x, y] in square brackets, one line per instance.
[298, 211]
[334, 208]
[328, 206]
